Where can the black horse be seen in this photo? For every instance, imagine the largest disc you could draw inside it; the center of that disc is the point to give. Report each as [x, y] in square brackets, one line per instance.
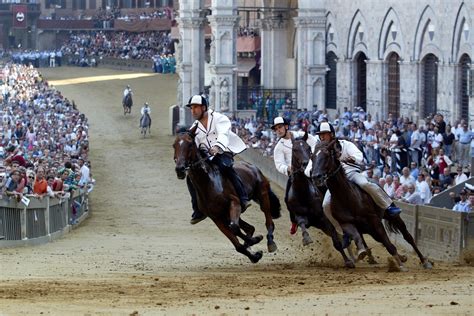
[127, 104]
[353, 208]
[304, 199]
[217, 198]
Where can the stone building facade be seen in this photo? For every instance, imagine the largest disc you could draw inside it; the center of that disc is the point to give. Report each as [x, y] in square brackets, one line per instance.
[409, 58]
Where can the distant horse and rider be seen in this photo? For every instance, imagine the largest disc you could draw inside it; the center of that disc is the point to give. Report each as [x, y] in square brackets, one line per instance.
[145, 120]
[127, 101]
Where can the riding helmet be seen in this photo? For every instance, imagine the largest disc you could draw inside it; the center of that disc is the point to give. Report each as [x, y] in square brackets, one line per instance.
[280, 120]
[197, 99]
[325, 127]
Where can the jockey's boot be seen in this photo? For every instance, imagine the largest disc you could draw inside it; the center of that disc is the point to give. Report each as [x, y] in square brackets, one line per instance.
[197, 217]
[393, 210]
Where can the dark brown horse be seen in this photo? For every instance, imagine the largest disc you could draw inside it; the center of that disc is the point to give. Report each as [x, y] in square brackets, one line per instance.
[304, 199]
[217, 198]
[353, 208]
[127, 103]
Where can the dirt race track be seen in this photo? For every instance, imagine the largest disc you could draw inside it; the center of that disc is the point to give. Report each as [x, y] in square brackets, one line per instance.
[138, 254]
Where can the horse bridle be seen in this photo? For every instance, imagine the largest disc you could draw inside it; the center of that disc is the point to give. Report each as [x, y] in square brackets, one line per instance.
[328, 176]
[196, 163]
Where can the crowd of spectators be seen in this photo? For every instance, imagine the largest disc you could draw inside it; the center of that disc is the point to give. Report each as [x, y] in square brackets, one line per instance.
[122, 45]
[412, 163]
[44, 139]
[111, 13]
[246, 31]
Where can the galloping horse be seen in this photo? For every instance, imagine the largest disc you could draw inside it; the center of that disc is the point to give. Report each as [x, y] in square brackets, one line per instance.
[304, 199]
[353, 208]
[145, 124]
[127, 104]
[218, 199]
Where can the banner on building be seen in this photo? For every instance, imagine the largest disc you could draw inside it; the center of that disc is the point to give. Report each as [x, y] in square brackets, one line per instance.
[19, 15]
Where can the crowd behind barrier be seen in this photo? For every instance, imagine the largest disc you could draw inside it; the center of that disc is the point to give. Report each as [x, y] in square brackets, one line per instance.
[123, 45]
[44, 146]
[89, 49]
[412, 163]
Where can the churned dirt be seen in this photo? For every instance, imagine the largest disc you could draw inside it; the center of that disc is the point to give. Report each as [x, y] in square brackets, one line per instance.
[138, 255]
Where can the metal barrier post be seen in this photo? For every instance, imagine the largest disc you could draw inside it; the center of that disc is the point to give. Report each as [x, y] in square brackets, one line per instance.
[23, 223]
[46, 217]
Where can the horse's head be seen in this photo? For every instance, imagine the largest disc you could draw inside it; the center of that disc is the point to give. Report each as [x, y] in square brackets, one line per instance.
[300, 154]
[185, 151]
[325, 161]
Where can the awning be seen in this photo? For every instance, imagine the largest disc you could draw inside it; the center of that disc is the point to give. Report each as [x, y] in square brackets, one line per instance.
[244, 65]
[247, 44]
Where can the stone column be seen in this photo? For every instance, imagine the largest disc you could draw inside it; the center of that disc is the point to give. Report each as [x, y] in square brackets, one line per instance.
[375, 95]
[191, 54]
[274, 50]
[223, 63]
[311, 63]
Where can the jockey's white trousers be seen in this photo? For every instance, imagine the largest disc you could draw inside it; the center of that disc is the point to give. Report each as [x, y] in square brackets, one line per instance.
[377, 193]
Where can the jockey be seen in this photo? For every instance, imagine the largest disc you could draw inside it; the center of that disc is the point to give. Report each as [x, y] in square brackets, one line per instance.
[127, 91]
[282, 154]
[351, 158]
[145, 110]
[214, 133]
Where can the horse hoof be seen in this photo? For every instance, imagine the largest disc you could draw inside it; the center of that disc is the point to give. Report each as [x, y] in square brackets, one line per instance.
[349, 265]
[361, 254]
[307, 241]
[427, 265]
[371, 260]
[256, 239]
[403, 258]
[256, 256]
[272, 247]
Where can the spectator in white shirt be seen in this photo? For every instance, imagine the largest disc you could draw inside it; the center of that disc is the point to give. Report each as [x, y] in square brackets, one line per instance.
[460, 177]
[406, 177]
[412, 197]
[423, 189]
[85, 173]
[389, 186]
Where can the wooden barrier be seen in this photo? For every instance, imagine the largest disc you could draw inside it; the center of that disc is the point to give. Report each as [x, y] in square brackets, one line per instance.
[130, 64]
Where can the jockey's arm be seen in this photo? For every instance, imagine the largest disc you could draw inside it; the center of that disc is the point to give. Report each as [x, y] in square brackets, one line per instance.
[223, 127]
[351, 152]
[279, 159]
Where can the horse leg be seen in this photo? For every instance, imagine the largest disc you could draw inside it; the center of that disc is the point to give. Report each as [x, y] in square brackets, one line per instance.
[249, 239]
[265, 208]
[354, 233]
[398, 222]
[329, 230]
[224, 228]
[379, 234]
[302, 221]
[371, 258]
[234, 215]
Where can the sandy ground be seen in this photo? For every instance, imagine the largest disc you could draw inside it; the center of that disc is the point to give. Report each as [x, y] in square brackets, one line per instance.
[138, 254]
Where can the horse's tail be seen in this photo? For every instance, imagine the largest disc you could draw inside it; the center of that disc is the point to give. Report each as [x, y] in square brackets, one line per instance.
[392, 223]
[275, 206]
